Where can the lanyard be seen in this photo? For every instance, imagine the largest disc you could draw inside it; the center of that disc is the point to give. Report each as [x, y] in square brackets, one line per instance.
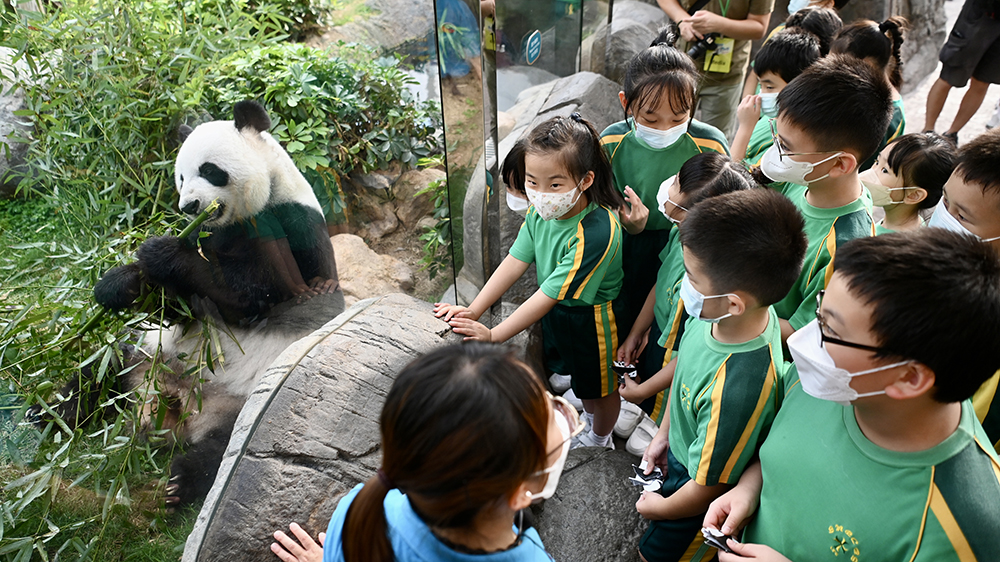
[724, 8]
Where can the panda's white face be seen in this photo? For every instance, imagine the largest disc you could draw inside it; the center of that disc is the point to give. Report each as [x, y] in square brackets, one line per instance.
[218, 161]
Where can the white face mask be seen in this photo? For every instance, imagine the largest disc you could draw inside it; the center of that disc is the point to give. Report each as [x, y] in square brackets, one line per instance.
[556, 469]
[943, 219]
[769, 104]
[796, 5]
[820, 376]
[553, 205]
[517, 204]
[656, 138]
[787, 170]
[663, 198]
[694, 301]
[881, 195]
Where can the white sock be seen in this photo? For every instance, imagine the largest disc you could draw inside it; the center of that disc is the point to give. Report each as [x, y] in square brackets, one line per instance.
[599, 440]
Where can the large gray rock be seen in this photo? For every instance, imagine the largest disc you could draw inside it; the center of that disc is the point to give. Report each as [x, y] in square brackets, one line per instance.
[634, 25]
[364, 274]
[384, 23]
[592, 515]
[309, 432]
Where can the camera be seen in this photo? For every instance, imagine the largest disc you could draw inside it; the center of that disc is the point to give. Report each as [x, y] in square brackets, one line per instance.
[703, 45]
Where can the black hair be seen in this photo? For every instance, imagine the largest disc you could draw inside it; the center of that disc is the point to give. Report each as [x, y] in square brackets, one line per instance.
[462, 427]
[787, 54]
[752, 241]
[657, 69]
[821, 22]
[879, 42]
[841, 103]
[839, 4]
[935, 298]
[709, 174]
[979, 160]
[923, 160]
[576, 142]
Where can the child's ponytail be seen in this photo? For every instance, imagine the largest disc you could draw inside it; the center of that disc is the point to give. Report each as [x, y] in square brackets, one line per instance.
[895, 26]
[365, 534]
[657, 69]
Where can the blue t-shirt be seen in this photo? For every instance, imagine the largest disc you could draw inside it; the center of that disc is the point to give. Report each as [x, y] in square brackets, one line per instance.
[412, 540]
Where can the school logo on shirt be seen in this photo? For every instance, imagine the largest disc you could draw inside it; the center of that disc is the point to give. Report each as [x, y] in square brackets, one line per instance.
[686, 396]
[845, 544]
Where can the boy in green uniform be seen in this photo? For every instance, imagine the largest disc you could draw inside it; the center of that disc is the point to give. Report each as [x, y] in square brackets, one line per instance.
[778, 62]
[876, 453]
[971, 204]
[725, 389]
[829, 118]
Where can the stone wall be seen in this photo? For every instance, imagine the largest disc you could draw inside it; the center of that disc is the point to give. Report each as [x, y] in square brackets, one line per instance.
[309, 432]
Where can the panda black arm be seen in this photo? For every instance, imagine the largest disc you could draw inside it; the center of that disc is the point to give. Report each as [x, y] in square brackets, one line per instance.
[119, 287]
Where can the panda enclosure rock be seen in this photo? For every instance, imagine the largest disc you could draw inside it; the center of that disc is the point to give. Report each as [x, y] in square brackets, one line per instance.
[309, 433]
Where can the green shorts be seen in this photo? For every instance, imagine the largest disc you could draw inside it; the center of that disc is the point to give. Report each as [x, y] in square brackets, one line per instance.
[640, 264]
[586, 340]
[675, 540]
[651, 360]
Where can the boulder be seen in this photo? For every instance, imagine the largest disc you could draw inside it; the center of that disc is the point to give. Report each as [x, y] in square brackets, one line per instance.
[309, 432]
[410, 207]
[364, 274]
[634, 25]
[592, 515]
[383, 23]
[371, 214]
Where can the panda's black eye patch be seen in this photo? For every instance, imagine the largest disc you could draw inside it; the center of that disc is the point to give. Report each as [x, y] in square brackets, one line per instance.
[214, 174]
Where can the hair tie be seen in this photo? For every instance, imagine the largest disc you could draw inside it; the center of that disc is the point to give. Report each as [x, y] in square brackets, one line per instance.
[575, 116]
[385, 479]
[883, 27]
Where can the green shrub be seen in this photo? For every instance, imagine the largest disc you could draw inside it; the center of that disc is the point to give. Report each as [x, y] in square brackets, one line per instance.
[127, 73]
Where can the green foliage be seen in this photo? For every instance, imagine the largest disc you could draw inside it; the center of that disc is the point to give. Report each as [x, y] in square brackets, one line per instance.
[105, 112]
[437, 238]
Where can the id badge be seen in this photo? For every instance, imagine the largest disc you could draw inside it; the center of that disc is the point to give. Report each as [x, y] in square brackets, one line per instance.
[720, 59]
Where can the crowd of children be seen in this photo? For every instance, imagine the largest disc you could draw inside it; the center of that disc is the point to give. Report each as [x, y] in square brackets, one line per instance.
[824, 390]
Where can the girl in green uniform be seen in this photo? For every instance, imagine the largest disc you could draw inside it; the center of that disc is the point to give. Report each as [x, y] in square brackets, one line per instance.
[909, 176]
[572, 234]
[657, 136]
[879, 44]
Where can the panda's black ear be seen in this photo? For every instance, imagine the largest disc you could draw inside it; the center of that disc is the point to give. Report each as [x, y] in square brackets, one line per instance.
[183, 132]
[251, 114]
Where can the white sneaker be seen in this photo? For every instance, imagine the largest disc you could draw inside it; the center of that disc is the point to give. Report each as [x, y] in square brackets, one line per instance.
[642, 436]
[570, 397]
[995, 120]
[585, 440]
[559, 383]
[628, 419]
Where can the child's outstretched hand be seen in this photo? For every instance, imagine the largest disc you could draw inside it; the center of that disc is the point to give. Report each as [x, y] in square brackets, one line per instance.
[748, 112]
[471, 329]
[760, 552]
[633, 213]
[291, 551]
[453, 310]
[630, 349]
[629, 390]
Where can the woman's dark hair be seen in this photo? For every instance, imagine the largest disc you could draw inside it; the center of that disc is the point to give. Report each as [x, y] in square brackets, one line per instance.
[576, 142]
[709, 174]
[660, 69]
[462, 427]
[879, 42]
[824, 23]
[923, 160]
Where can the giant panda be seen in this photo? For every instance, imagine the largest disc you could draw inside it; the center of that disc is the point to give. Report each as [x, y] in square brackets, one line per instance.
[262, 278]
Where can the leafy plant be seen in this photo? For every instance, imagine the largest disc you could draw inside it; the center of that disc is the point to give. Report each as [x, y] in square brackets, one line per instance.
[106, 84]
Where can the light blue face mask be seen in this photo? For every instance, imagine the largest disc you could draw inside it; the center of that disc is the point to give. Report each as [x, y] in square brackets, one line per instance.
[769, 104]
[796, 5]
[694, 301]
[943, 219]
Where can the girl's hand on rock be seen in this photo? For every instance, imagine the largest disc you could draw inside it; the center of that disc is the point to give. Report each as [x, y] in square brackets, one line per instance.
[290, 550]
[471, 329]
[453, 310]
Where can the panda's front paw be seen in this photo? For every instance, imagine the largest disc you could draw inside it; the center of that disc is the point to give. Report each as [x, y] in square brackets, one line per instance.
[119, 287]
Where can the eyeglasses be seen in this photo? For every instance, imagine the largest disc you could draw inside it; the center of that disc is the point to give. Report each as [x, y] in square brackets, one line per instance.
[564, 408]
[823, 327]
[781, 151]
